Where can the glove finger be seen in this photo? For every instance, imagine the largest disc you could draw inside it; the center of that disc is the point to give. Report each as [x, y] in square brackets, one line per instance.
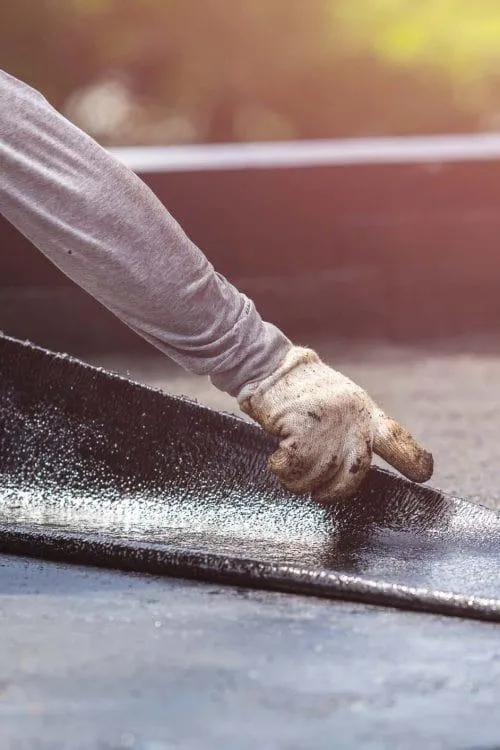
[396, 446]
[347, 480]
[291, 467]
[335, 473]
[299, 472]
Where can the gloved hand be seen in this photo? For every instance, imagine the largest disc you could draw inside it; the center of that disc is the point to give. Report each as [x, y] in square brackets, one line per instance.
[328, 428]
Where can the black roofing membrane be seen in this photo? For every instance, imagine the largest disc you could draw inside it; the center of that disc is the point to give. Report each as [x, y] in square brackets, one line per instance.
[98, 470]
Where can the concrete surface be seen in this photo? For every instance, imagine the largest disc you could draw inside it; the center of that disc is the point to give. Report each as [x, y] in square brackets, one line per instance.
[98, 659]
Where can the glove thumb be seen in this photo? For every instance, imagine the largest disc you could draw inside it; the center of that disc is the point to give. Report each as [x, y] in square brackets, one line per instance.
[396, 446]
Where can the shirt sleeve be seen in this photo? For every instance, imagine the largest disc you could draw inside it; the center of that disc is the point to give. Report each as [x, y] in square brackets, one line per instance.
[106, 230]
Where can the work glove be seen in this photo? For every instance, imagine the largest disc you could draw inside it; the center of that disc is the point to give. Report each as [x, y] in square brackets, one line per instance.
[328, 428]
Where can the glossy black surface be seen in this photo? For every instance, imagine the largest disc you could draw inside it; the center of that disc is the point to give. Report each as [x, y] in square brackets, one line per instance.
[99, 470]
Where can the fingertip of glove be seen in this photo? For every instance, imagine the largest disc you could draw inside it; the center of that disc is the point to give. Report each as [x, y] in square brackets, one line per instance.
[399, 448]
[421, 468]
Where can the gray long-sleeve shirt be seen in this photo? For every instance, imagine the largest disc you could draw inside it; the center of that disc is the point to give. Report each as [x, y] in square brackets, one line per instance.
[103, 227]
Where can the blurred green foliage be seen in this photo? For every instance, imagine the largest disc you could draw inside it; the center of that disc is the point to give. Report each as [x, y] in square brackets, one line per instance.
[226, 70]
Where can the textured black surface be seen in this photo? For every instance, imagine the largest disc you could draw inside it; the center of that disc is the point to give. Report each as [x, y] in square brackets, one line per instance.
[99, 470]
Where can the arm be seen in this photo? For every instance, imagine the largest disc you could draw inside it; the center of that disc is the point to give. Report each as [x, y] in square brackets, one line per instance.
[105, 229]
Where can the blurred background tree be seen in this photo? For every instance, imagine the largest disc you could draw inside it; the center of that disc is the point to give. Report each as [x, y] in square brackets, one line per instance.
[181, 71]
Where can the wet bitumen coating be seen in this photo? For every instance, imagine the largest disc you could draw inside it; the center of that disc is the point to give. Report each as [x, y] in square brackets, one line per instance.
[99, 470]
[107, 659]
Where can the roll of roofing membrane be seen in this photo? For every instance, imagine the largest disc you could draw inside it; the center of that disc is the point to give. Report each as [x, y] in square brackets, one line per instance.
[98, 470]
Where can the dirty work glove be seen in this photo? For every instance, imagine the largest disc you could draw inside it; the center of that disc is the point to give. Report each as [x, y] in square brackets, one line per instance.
[328, 428]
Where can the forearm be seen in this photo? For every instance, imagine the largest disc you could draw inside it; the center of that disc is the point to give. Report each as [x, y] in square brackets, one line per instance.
[103, 227]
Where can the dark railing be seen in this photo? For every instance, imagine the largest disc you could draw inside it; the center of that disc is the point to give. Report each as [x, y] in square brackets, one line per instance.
[390, 238]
